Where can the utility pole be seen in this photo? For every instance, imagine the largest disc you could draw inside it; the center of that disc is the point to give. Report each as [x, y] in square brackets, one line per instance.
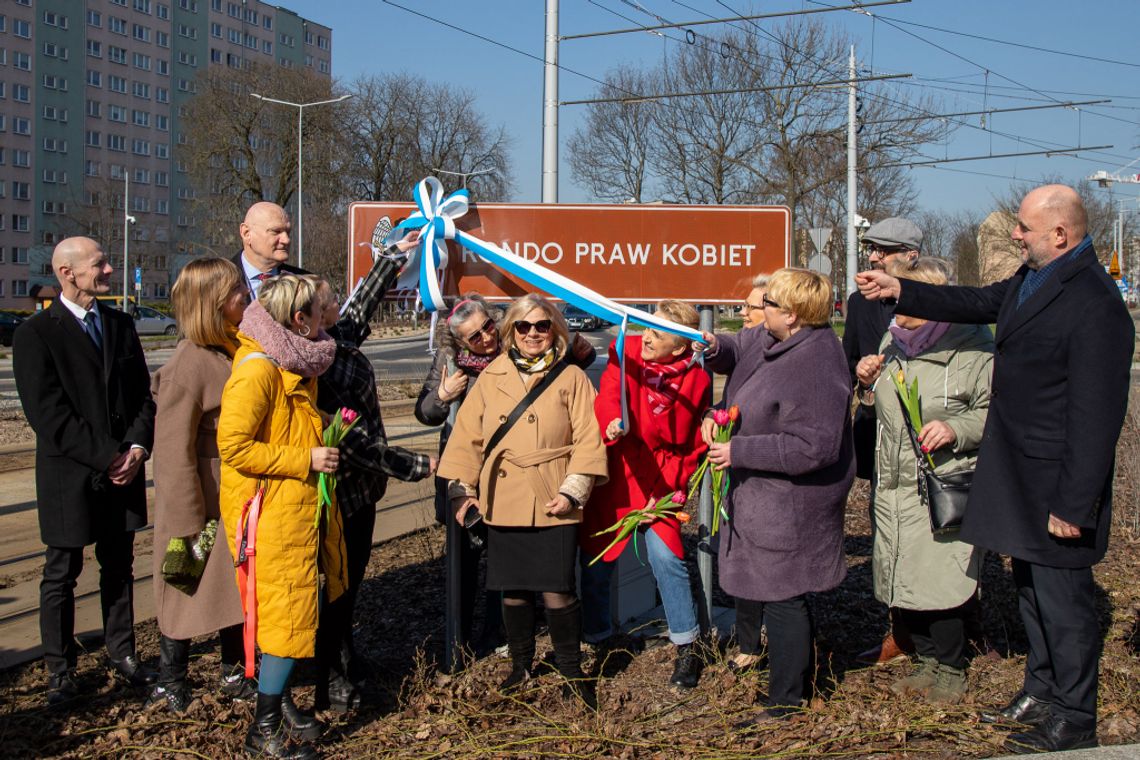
[852, 250]
[550, 107]
[127, 219]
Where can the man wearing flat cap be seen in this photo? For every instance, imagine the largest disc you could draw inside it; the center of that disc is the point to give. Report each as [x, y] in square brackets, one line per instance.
[867, 321]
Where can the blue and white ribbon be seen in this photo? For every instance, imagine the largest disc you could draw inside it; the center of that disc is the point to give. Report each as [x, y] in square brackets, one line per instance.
[436, 222]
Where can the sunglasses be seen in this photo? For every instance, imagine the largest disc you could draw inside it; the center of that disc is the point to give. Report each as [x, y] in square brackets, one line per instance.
[750, 307]
[480, 335]
[542, 326]
[769, 302]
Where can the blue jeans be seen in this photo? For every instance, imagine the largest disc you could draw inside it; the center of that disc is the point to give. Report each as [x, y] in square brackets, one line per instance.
[672, 584]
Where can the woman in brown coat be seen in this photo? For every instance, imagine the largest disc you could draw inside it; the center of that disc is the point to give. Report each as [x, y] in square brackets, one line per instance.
[209, 299]
[532, 485]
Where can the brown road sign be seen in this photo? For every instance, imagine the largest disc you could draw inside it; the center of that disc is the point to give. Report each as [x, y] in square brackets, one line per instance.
[630, 253]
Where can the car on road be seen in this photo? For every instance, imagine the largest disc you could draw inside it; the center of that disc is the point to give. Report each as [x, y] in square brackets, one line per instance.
[150, 321]
[576, 319]
[8, 324]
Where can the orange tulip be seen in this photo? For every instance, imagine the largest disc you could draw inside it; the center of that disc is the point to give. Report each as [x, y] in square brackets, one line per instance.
[683, 517]
[733, 413]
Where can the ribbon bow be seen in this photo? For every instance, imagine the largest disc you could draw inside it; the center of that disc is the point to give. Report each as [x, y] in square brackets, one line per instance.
[436, 222]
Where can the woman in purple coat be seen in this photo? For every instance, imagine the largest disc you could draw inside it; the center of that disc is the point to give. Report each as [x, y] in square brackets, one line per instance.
[792, 464]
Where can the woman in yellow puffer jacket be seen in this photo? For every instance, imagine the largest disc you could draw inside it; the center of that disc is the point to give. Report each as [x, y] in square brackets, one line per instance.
[269, 432]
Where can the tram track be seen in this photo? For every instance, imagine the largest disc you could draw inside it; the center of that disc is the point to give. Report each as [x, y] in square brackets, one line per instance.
[408, 506]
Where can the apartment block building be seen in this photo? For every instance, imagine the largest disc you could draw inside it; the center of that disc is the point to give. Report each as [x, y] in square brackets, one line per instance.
[91, 93]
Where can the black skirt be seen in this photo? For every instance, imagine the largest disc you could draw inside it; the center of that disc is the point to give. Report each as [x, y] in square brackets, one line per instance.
[532, 559]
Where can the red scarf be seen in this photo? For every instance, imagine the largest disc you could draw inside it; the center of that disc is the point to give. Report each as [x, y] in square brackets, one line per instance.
[663, 382]
[472, 362]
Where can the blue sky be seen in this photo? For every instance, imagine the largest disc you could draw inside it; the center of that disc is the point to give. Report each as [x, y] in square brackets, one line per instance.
[376, 36]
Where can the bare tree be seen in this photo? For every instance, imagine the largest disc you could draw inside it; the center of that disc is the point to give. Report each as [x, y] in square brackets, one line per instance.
[704, 144]
[401, 128]
[240, 150]
[610, 154]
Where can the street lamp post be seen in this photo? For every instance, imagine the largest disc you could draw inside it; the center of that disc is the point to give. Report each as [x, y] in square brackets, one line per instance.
[300, 126]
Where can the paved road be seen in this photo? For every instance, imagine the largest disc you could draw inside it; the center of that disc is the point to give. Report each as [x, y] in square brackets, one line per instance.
[404, 359]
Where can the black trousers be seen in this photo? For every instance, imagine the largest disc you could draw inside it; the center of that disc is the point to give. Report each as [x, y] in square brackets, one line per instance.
[789, 644]
[115, 553]
[335, 646]
[1058, 609]
[938, 634]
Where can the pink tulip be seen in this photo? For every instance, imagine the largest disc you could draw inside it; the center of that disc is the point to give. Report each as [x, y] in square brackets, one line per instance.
[348, 416]
[679, 497]
[720, 417]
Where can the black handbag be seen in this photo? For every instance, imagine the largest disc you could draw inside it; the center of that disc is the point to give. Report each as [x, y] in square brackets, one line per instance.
[945, 496]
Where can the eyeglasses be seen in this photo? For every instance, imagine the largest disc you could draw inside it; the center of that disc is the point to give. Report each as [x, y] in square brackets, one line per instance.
[875, 248]
[480, 335]
[750, 307]
[542, 326]
[769, 302]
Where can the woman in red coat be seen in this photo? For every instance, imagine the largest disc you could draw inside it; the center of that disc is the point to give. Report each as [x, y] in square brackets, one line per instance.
[668, 392]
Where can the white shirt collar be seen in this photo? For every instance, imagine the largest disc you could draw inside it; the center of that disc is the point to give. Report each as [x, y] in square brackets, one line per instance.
[252, 274]
[78, 311]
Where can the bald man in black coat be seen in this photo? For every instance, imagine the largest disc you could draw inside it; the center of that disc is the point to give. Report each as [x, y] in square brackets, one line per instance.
[1043, 489]
[85, 389]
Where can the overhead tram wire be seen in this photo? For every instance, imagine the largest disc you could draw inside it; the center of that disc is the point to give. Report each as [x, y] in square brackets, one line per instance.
[1038, 48]
[685, 24]
[890, 22]
[990, 111]
[632, 96]
[921, 113]
[956, 159]
[767, 88]
[636, 96]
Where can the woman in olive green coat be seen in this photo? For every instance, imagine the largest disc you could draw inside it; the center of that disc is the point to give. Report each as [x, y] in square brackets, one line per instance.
[926, 577]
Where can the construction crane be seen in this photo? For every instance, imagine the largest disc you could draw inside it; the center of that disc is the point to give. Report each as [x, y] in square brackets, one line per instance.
[1105, 179]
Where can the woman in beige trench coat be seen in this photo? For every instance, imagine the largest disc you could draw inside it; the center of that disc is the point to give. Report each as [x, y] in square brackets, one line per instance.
[531, 487]
[209, 299]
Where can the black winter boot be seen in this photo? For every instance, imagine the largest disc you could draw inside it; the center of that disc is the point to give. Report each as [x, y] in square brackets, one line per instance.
[266, 736]
[565, 625]
[335, 692]
[300, 725]
[518, 619]
[171, 688]
[686, 668]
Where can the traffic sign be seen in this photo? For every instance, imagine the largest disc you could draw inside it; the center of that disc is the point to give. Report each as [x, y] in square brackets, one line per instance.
[138, 277]
[1114, 267]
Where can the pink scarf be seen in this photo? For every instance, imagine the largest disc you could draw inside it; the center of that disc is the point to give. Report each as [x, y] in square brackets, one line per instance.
[307, 358]
[663, 382]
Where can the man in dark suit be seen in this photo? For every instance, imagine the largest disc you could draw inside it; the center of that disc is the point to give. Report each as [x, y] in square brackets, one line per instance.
[1043, 488]
[85, 389]
[890, 239]
[265, 245]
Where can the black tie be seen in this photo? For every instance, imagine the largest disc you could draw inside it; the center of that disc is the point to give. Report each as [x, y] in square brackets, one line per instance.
[91, 321]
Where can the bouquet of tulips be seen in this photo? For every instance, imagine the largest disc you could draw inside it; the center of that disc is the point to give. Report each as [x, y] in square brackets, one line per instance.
[672, 505]
[912, 404]
[725, 420]
[343, 421]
